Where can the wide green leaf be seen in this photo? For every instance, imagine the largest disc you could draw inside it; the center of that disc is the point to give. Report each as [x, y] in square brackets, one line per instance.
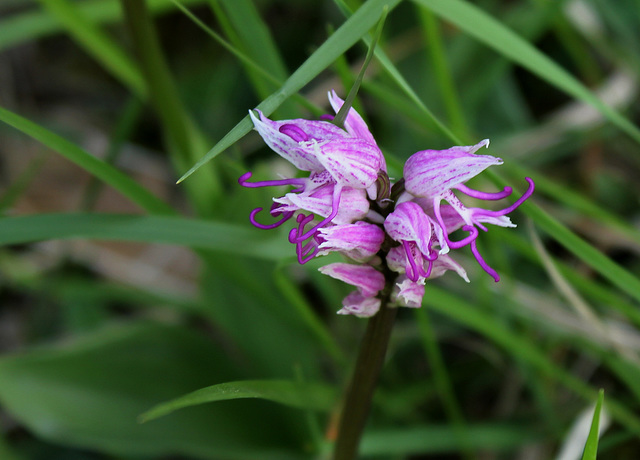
[480, 25]
[192, 233]
[302, 395]
[89, 392]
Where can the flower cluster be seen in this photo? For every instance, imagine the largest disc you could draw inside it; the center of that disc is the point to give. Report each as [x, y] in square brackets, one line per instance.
[398, 234]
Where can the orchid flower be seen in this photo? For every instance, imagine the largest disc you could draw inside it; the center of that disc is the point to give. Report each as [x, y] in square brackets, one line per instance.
[368, 281]
[409, 225]
[432, 174]
[399, 237]
[360, 241]
[408, 292]
[344, 165]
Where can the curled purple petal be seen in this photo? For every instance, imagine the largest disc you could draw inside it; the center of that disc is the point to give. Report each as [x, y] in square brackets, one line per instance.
[337, 193]
[473, 232]
[484, 195]
[482, 263]
[408, 222]
[518, 202]
[415, 260]
[252, 217]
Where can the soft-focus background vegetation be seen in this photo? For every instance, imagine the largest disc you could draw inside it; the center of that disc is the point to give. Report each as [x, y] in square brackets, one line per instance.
[118, 297]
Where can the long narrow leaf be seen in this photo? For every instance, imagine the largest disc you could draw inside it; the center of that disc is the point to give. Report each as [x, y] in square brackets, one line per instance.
[474, 318]
[218, 236]
[32, 24]
[343, 38]
[295, 394]
[121, 182]
[591, 447]
[96, 42]
[478, 24]
[438, 440]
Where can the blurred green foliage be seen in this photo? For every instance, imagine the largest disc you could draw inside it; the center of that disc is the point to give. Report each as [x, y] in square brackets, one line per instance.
[93, 334]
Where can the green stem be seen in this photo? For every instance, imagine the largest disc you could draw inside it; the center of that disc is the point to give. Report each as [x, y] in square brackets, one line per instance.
[357, 404]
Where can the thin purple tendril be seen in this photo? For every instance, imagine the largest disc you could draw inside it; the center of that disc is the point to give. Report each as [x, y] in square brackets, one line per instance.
[518, 202]
[428, 272]
[416, 270]
[310, 249]
[327, 117]
[484, 195]
[481, 262]
[268, 183]
[432, 256]
[473, 232]
[294, 132]
[337, 193]
[286, 215]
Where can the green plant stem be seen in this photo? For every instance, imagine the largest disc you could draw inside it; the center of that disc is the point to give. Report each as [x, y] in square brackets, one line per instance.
[357, 403]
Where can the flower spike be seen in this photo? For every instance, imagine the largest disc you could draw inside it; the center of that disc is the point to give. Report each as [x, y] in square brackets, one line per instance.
[397, 232]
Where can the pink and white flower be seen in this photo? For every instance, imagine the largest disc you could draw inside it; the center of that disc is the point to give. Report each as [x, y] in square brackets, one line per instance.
[368, 281]
[399, 236]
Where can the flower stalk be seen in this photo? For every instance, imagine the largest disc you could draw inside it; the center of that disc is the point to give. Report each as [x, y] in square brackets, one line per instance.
[357, 402]
[396, 236]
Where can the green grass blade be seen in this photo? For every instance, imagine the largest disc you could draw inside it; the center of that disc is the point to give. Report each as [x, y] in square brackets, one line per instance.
[438, 440]
[341, 116]
[473, 317]
[591, 256]
[123, 130]
[591, 447]
[13, 192]
[98, 44]
[348, 34]
[302, 395]
[229, 238]
[183, 139]
[305, 311]
[249, 63]
[573, 200]
[121, 182]
[494, 34]
[395, 74]
[443, 381]
[442, 71]
[244, 27]
[30, 25]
